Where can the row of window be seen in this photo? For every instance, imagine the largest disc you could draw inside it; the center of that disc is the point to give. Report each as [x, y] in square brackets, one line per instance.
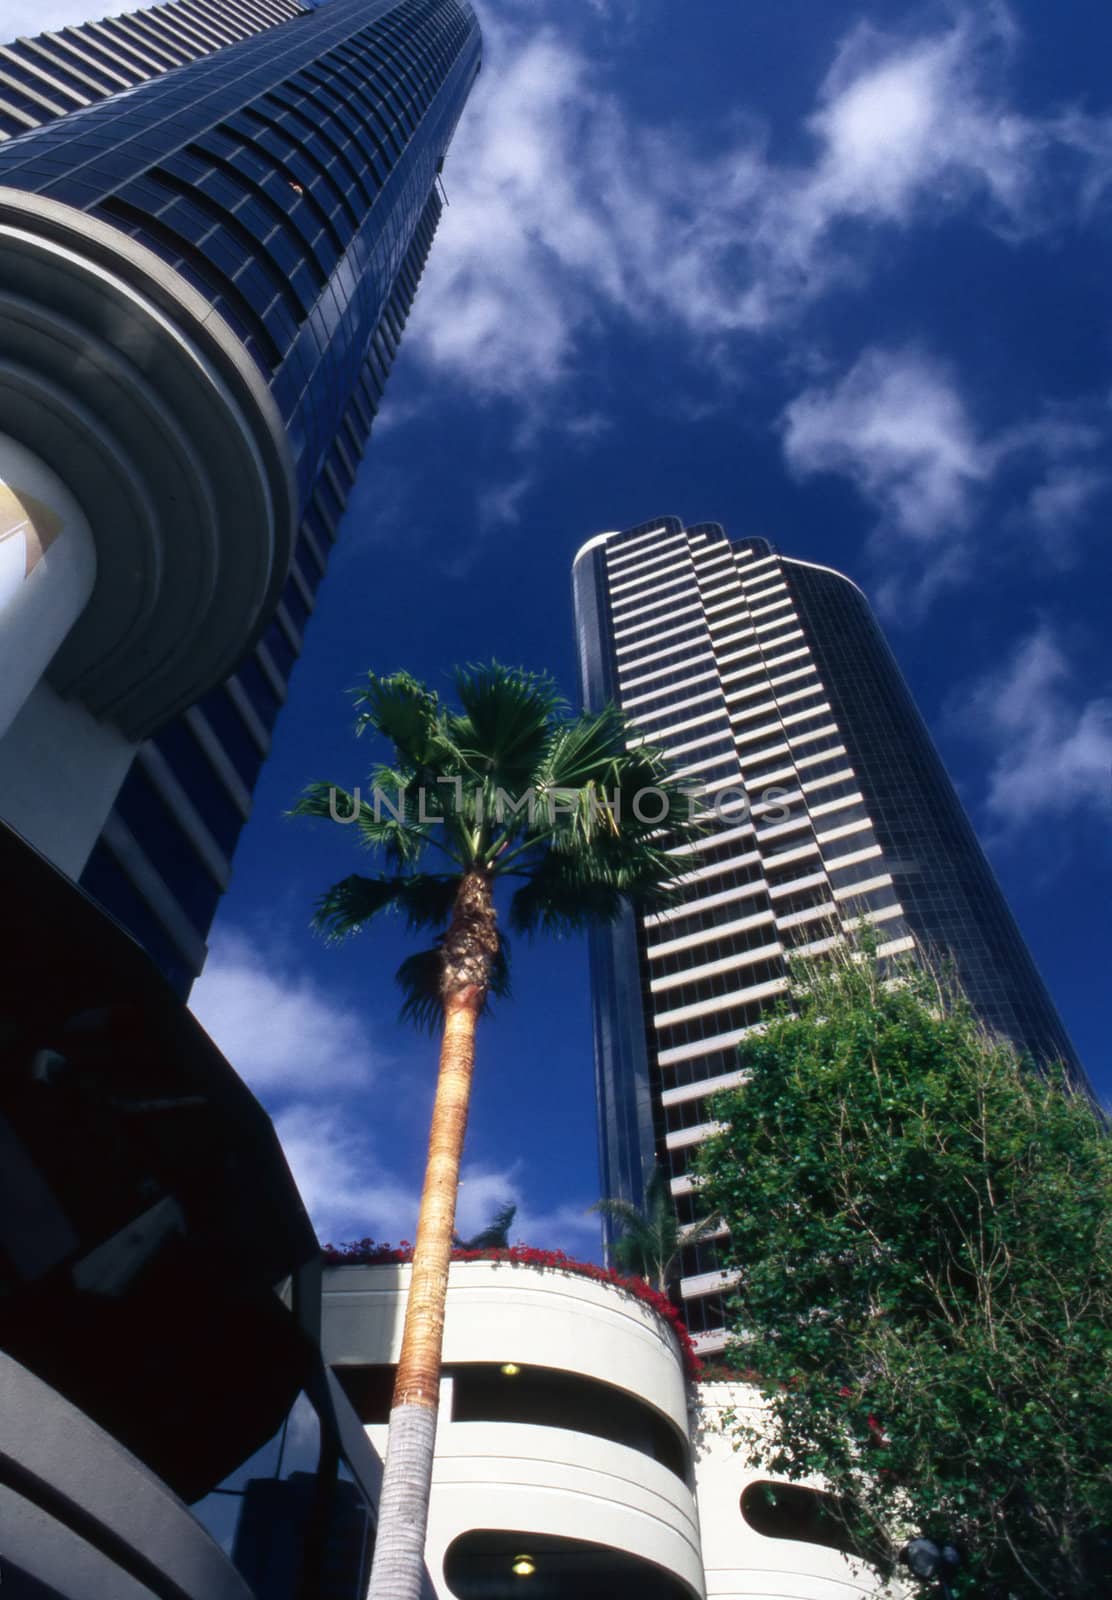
[93, 60]
[714, 1023]
[719, 949]
[719, 985]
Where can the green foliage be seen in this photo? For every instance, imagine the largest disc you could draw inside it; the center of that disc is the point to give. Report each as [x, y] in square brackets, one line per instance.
[651, 1240]
[923, 1228]
[508, 784]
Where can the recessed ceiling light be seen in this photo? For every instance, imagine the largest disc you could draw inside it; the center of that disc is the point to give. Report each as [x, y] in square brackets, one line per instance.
[523, 1567]
[509, 1369]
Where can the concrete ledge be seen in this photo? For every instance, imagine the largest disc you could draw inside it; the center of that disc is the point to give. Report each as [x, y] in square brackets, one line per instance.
[84, 1517]
[124, 380]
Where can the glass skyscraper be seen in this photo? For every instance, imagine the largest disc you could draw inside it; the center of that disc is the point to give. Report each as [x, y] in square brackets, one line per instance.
[771, 687]
[215, 216]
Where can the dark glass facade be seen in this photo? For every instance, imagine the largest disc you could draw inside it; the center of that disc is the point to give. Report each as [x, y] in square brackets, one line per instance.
[770, 686]
[283, 162]
[948, 891]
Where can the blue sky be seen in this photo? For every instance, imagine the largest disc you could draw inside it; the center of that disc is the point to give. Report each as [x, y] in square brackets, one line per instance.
[829, 273]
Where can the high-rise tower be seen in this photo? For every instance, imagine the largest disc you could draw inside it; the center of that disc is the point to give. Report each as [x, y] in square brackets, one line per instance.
[772, 688]
[213, 218]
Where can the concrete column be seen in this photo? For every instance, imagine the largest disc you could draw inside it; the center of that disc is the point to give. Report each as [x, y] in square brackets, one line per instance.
[47, 571]
[60, 767]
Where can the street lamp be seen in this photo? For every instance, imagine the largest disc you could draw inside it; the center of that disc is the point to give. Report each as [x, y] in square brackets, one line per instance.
[929, 1560]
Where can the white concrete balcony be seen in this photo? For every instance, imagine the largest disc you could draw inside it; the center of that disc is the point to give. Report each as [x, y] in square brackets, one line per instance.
[576, 1503]
[563, 1431]
[754, 1548]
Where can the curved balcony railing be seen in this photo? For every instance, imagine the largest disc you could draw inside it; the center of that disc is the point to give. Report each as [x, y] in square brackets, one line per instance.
[82, 1516]
[563, 1429]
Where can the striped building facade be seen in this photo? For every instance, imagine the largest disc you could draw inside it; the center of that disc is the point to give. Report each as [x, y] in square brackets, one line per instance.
[773, 691]
[52, 74]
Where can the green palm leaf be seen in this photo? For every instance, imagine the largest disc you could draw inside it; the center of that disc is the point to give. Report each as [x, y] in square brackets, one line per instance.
[651, 1240]
[505, 731]
[347, 906]
[400, 709]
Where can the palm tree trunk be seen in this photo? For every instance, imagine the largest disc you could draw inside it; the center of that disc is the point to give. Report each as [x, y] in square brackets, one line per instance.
[399, 1559]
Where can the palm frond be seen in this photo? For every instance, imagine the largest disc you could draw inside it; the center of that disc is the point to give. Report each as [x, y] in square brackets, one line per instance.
[583, 749]
[401, 709]
[348, 905]
[506, 726]
[651, 1240]
[623, 1211]
[571, 888]
[634, 1254]
[638, 1244]
[382, 822]
[427, 899]
[496, 1234]
[696, 1232]
[419, 978]
[324, 801]
[558, 897]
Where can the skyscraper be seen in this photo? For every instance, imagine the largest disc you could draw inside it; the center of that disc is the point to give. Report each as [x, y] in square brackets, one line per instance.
[772, 688]
[214, 219]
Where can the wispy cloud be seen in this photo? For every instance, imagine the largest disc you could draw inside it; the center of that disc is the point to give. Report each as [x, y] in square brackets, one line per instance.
[348, 1190]
[351, 1193]
[564, 209]
[567, 1227]
[499, 506]
[1052, 745]
[280, 1029]
[17, 20]
[899, 428]
[310, 1055]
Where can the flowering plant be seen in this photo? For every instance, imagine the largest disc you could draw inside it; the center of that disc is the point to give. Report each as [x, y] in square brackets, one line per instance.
[369, 1253]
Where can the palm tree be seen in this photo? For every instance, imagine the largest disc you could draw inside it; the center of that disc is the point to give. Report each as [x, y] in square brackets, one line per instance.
[651, 1240]
[496, 1234]
[508, 788]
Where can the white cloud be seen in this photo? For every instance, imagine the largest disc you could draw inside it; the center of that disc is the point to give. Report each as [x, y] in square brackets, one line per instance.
[23, 18]
[906, 123]
[1053, 747]
[499, 506]
[565, 209]
[899, 428]
[280, 1029]
[484, 1189]
[351, 1194]
[347, 1191]
[311, 1054]
[1062, 499]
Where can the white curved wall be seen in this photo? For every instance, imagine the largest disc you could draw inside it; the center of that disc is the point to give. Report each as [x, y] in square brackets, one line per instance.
[553, 1481]
[60, 768]
[48, 567]
[498, 1311]
[740, 1563]
[84, 1518]
[545, 1480]
[563, 1484]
